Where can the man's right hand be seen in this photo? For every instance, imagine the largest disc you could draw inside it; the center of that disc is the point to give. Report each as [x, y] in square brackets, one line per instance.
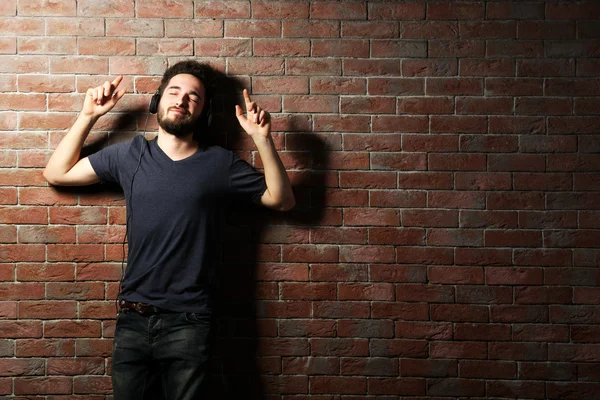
[100, 100]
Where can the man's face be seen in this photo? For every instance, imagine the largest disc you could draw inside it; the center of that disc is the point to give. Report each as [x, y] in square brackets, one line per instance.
[181, 105]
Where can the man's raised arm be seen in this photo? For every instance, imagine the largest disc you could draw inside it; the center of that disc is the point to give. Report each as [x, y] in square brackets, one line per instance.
[64, 167]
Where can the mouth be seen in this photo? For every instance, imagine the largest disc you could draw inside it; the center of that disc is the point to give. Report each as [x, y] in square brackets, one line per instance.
[178, 110]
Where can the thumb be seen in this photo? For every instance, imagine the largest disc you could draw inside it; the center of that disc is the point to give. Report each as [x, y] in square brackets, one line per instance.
[239, 113]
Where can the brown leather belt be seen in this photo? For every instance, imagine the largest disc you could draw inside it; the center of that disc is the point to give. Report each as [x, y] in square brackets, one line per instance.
[141, 308]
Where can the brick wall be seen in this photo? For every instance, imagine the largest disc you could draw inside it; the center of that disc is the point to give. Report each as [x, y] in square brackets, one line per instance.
[445, 158]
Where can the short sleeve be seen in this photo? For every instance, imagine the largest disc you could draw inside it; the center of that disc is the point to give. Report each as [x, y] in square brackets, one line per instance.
[107, 162]
[245, 180]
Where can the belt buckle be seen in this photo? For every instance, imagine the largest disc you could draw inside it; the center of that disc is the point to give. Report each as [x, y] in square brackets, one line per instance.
[138, 308]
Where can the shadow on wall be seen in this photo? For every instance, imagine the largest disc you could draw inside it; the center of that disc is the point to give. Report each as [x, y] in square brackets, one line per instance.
[251, 239]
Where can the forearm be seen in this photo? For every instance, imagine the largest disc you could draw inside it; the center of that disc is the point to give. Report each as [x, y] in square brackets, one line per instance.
[279, 188]
[67, 152]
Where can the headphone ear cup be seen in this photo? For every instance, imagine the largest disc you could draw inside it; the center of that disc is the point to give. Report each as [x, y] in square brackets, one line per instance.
[153, 108]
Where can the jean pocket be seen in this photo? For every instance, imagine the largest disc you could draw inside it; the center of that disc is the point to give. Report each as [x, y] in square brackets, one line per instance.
[197, 318]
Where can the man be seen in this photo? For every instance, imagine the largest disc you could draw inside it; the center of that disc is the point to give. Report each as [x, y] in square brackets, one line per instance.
[174, 188]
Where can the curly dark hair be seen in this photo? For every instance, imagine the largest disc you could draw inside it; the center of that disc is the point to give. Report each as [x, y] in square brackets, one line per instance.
[203, 72]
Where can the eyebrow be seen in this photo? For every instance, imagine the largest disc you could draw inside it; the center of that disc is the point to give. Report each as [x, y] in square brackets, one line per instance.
[179, 88]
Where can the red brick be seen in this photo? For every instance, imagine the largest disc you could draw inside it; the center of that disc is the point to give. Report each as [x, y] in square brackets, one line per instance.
[429, 30]
[454, 237]
[542, 257]
[308, 328]
[425, 180]
[80, 366]
[22, 252]
[547, 219]
[399, 161]
[311, 365]
[484, 294]
[514, 125]
[440, 349]
[92, 384]
[457, 162]
[75, 291]
[338, 272]
[482, 181]
[312, 66]
[331, 11]
[369, 366]
[513, 238]
[573, 352]
[424, 255]
[545, 68]
[21, 291]
[397, 198]
[307, 291]
[585, 106]
[487, 106]
[46, 234]
[338, 385]
[393, 11]
[396, 86]
[371, 105]
[49, 45]
[523, 314]
[45, 348]
[365, 328]
[514, 276]
[358, 67]
[397, 386]
[283, 309]
[429, 67]
[458, 124]
[426, 105]
[543, 295]
[488, 30]
[280, 9]
[397, 273]
[307, 29]
[45, 272]
[428, 368]
[424, 293]
[352, 254]
[336, 309]
[396, 236]
[20, 329]
[445, 11]
[545, 106]
[340, 347]
[397, 310]
[310, 253]
[280, 85]
[191, 28]
[422, 330]
[337, 85]
[372, 142]
[585, 10]
[458, 313]
[462, 199]
[428, 143]
[512, 201]
[540, 333]
[47, 309]
[367, 180]
[456, 48]
[360, 291]
[43, 385]
[456, 275]
[586, 314]
[517, 351]
[398, 49]
[253, 28]
[548, 181]
[568, 125]
[83, 252]
[518, 87]
[398, 348]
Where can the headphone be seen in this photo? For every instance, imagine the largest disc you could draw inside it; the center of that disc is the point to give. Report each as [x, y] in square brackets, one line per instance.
[205, 118]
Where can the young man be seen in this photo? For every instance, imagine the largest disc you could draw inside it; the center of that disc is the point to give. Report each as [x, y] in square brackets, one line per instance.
[174, 188]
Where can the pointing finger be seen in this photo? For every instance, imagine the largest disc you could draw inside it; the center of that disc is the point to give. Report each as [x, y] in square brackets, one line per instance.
[247, 97]
[117, 81]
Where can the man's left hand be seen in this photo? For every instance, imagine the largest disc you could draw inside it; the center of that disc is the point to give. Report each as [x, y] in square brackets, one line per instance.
[257, 122]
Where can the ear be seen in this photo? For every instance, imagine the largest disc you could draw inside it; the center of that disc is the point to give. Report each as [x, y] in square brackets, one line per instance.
[153, 108]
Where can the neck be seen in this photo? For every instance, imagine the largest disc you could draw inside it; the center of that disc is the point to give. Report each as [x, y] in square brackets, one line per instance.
[177, 148]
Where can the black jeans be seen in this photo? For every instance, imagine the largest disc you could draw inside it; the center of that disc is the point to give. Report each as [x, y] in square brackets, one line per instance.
[169, 350]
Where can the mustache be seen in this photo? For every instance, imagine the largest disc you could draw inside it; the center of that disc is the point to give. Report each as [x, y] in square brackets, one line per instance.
[186, 112]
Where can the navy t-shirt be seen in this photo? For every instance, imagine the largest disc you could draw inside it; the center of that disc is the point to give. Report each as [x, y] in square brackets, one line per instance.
[174, 210]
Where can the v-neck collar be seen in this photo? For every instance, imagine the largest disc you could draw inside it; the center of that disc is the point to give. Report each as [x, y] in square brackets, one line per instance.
[169, 160]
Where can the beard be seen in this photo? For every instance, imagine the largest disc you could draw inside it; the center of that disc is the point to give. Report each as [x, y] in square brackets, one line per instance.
[179, 125]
